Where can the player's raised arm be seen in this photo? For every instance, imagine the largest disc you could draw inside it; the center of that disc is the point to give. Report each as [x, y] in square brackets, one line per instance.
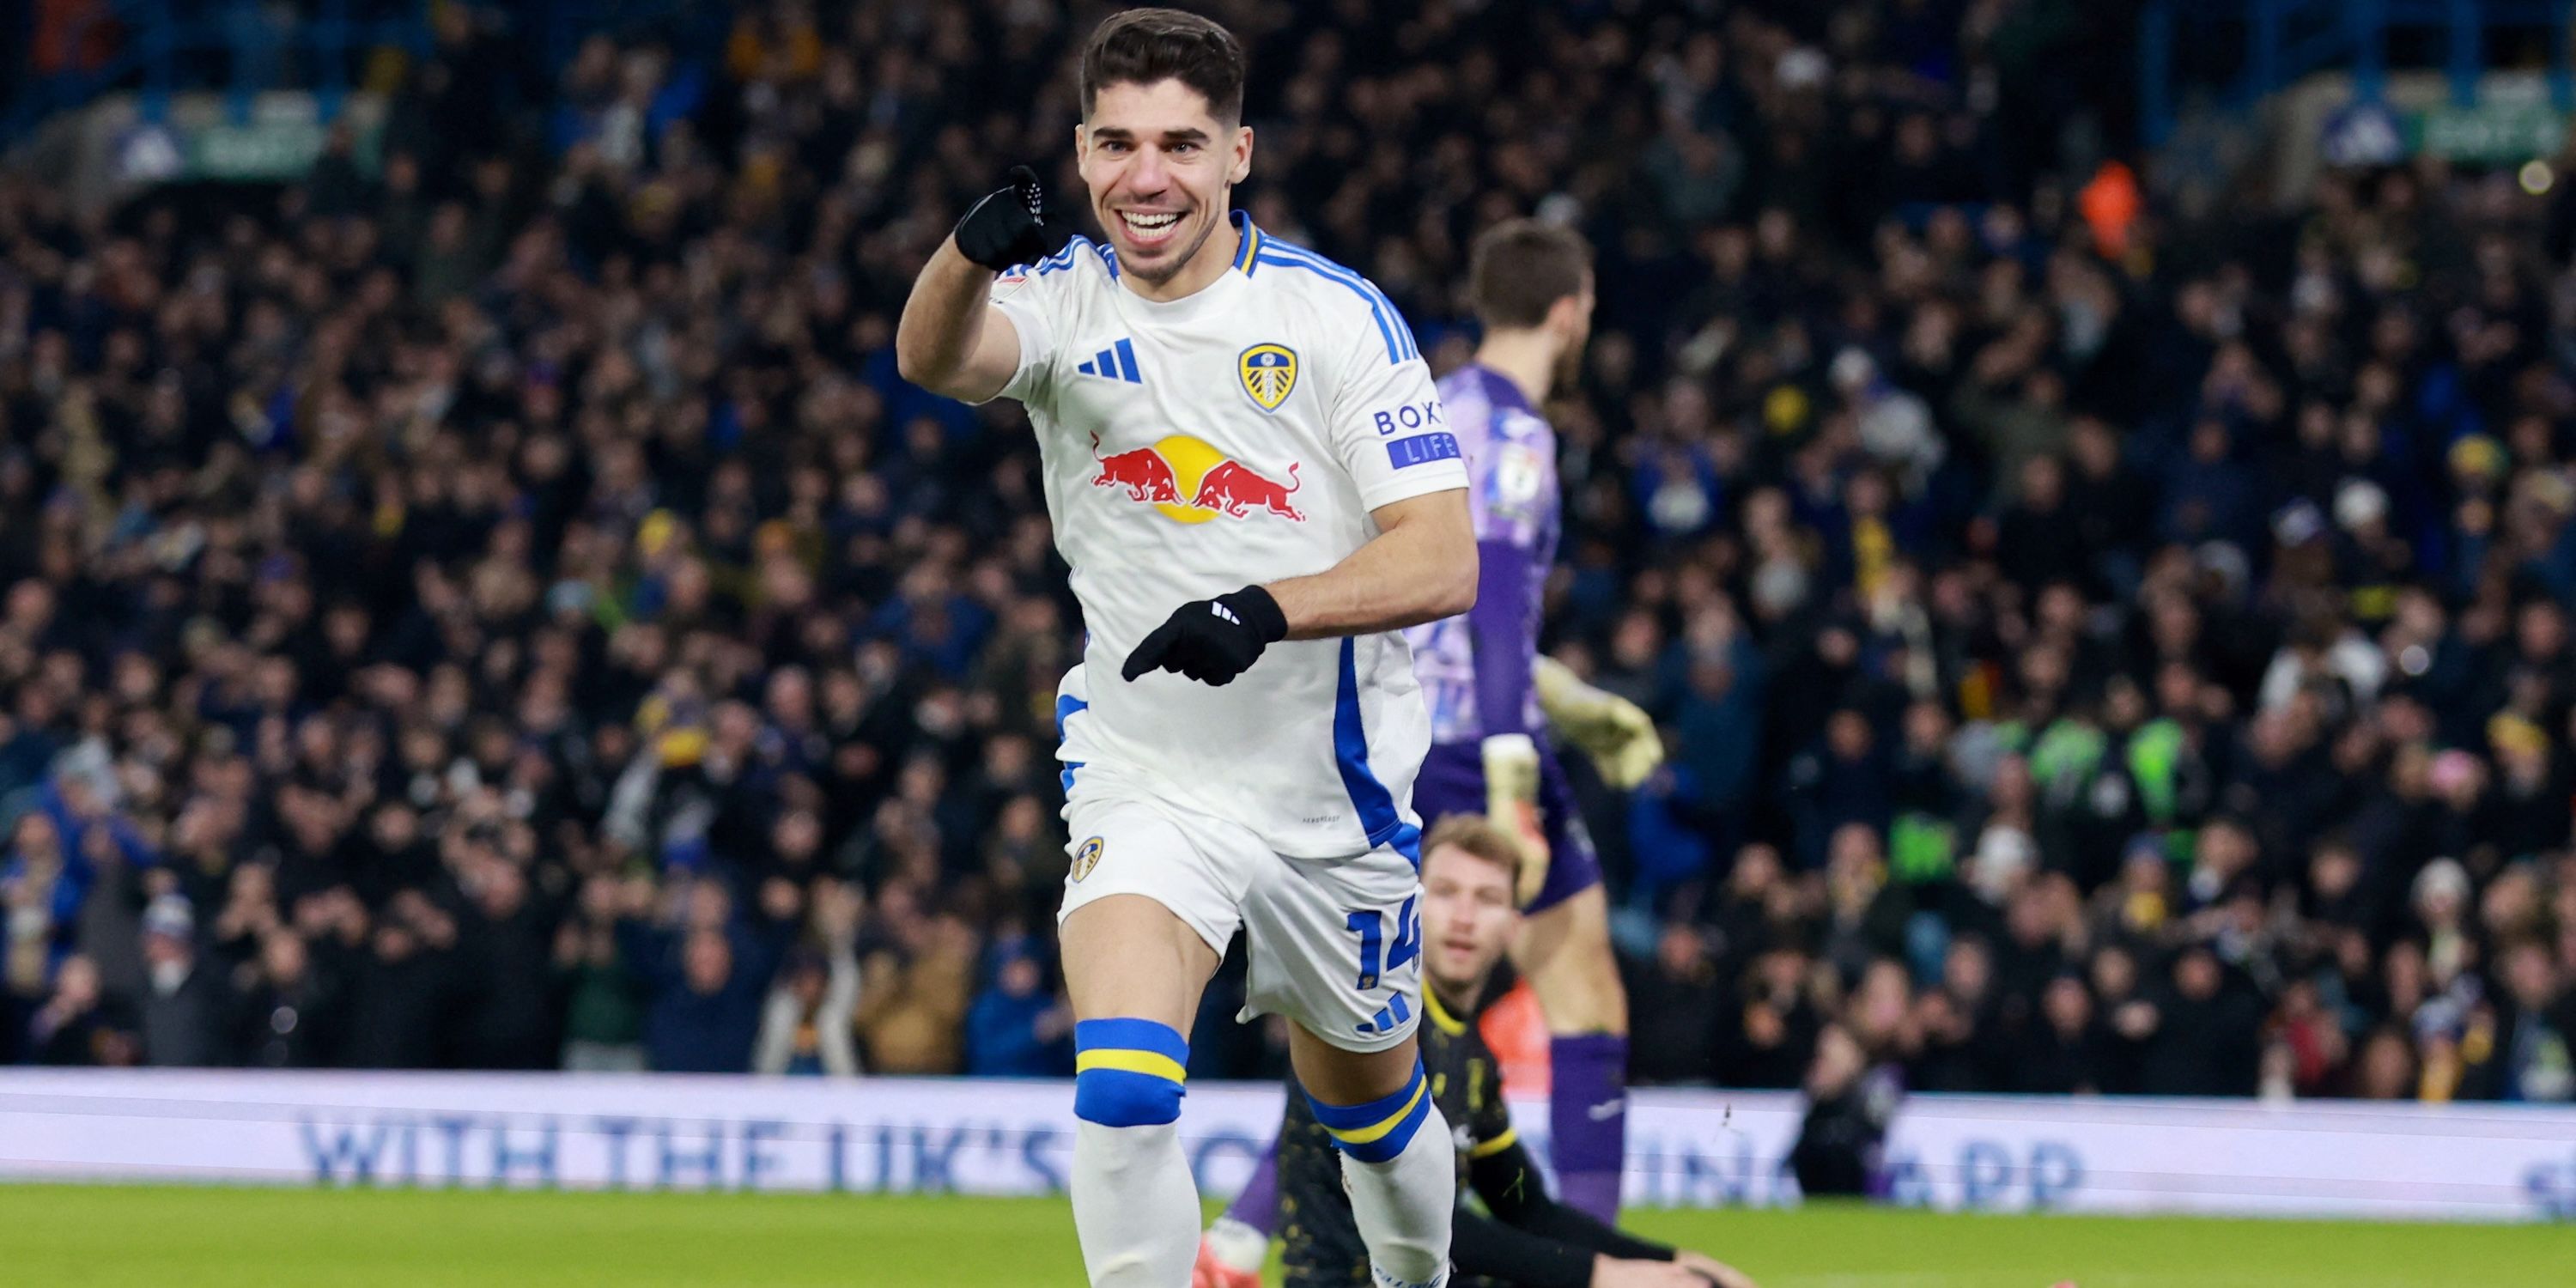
[952, 340]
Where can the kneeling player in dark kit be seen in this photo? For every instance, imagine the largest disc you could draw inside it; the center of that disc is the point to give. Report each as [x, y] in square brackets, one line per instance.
[1524, 1238]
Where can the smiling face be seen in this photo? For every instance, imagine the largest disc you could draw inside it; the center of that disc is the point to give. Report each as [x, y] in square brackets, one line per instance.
[1161, 166]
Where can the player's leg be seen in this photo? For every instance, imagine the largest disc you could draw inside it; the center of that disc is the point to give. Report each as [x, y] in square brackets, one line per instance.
[1134, 971]
[1564, 953]
[1397, 1157]
[1336, 947]
[1134, 967]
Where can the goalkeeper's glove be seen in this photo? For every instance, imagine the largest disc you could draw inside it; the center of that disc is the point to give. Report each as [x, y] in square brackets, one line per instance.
[1511, 804]
[1010, 225]
[1617, 734]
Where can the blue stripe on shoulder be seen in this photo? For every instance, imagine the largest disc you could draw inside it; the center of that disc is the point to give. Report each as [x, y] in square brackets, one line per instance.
[1063, 259]
[1390, 322]
[1403, 335]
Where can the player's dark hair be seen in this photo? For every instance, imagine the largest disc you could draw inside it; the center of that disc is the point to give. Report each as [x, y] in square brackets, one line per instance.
[1520, 268]
[1142, 46]
[1476, 835]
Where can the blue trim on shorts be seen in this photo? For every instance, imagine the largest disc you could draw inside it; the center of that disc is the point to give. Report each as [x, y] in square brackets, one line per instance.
[1065, 706]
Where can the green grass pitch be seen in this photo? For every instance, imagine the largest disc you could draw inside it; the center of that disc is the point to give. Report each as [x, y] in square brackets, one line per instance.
[152, 1237]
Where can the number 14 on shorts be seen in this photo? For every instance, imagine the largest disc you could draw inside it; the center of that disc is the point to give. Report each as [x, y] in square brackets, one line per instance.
[1369, 925]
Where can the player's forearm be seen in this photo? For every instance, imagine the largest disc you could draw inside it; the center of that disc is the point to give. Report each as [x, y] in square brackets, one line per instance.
[1482, 1246]
[1420, 571]
[1506, 1181]
[1574, 1226]
[942, 321]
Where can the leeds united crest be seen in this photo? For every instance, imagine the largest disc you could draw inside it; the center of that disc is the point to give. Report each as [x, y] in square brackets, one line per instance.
[1269, 371]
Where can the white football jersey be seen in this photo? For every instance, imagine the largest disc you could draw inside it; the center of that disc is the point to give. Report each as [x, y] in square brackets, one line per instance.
[1193, 447]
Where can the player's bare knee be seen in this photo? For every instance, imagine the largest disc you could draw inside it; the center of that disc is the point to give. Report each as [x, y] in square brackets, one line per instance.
[1128, 1072]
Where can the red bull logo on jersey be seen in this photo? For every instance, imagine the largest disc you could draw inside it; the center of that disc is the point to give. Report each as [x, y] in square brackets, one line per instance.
[1143, 472]
[1188, 480]
[1234, 491]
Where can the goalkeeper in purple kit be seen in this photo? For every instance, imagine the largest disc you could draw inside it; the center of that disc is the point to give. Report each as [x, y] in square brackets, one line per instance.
[1494, 700]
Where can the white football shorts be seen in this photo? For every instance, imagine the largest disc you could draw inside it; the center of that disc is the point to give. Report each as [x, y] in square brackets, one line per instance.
[1335, 944]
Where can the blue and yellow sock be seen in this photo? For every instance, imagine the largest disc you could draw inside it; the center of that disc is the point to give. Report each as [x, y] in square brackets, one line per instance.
[1135, 1204]
[1402, 1172]
[1128, 1073]
[1379, 1130]
[1588, 1120]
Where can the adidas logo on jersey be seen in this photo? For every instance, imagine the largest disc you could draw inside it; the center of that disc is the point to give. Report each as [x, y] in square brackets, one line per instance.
[1117, 362]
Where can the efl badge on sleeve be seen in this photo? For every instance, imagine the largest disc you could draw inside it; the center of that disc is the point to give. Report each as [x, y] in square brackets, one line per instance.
[1269, 371]
[1086, 858]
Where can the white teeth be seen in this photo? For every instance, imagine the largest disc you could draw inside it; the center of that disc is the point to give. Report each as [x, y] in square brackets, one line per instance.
[1149, 223]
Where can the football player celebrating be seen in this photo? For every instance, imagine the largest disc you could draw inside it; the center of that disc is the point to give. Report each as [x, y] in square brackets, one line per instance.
[1249, 472]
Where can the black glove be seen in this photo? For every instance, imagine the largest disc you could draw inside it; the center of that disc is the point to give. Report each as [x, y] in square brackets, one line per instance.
[1212, 640]
[1010, 225]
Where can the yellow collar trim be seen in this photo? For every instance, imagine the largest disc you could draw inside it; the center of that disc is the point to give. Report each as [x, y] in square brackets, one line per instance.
[1251, 246]
[1439, 1014]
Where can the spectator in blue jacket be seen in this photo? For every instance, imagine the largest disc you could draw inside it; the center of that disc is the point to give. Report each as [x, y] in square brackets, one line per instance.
[1017, 1026]
[708, 974]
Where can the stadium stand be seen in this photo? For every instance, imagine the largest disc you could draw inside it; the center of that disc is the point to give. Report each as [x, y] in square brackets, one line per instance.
[497, 606]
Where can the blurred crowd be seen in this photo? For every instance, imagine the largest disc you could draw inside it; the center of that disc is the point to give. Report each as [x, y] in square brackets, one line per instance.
[494, 604]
